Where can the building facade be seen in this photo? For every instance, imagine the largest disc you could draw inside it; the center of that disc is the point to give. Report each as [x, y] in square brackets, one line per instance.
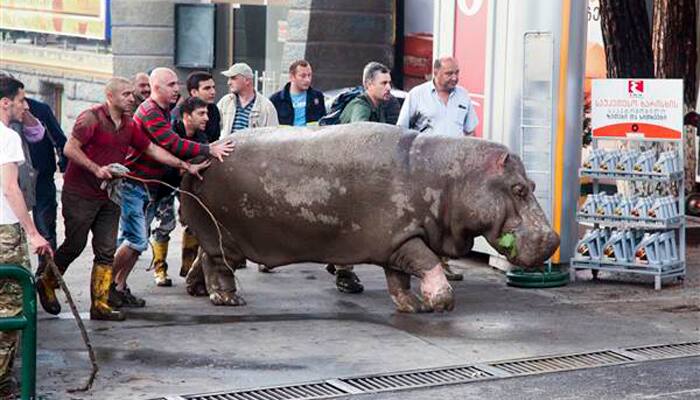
[65, 51]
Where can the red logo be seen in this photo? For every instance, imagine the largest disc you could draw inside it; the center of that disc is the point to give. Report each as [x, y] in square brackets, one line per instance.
[635, 87]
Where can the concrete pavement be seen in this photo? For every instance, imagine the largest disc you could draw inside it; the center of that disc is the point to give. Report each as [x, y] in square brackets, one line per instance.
[656, 380]
[297, 327]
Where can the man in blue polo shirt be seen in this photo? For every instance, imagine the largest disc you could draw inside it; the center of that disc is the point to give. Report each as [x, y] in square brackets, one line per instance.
[440, 106]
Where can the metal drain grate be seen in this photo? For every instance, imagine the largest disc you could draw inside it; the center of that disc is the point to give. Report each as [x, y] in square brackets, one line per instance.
[667, 350]
[341, 387]
[418, 379]
[561, 363]
[296, 392]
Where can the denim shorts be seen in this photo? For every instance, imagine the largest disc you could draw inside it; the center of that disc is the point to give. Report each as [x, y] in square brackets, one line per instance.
[137, 214]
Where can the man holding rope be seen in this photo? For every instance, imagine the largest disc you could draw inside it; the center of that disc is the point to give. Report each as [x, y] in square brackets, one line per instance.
[102, 135]
[16, 224]
[153, 119]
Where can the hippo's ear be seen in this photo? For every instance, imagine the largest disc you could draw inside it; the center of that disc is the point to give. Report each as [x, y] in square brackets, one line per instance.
[502, 161]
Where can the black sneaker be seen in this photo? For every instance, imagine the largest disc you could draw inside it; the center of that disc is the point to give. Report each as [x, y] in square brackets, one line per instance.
[116, 299]
[348, 282]
[131, 301]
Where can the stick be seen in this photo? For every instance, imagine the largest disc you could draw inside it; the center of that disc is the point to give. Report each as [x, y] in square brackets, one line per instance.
[81, 326]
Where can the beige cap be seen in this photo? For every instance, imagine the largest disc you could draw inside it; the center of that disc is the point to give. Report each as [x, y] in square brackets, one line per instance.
[239, 69]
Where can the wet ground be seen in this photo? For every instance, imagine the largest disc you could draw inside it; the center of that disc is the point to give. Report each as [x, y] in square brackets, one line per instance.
[297, 327]
[657, 380]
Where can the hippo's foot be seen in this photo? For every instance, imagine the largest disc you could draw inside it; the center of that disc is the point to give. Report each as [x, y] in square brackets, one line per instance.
[437, 292]
[408, 302]
[197, 289]
[218, 298]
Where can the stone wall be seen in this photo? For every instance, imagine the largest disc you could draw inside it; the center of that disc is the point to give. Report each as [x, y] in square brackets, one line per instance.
[339, 37]
[78, 92]
[143, 37]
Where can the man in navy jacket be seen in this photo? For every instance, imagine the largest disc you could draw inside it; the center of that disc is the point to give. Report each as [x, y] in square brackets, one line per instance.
[44, 161]
[297, 103]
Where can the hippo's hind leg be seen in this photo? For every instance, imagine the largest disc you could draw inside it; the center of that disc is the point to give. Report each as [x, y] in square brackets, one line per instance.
[220, 280]
[399, 284]
[415, 258]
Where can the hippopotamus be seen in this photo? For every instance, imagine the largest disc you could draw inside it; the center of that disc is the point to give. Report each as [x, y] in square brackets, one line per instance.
[363, 193]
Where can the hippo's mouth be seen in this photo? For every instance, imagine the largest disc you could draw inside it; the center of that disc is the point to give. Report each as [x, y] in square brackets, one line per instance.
[507, 243]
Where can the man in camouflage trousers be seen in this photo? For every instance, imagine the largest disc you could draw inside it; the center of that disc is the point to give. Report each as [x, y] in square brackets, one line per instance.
[16, 225]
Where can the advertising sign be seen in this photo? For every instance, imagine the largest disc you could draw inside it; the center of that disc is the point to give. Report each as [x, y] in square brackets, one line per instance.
[80, 18]
[645, 108]
[471, 17]
[595, 51]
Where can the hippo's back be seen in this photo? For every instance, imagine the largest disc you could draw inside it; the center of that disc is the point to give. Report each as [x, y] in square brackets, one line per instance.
[283, 189]
[333, 146]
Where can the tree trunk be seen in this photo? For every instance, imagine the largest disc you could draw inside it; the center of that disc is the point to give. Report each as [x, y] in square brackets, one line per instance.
[627, 39]
[674, 43]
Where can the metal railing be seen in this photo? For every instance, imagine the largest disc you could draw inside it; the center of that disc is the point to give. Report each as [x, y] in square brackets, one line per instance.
[26, 322]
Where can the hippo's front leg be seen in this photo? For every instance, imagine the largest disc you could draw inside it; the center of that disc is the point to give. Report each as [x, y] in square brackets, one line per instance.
[415, 258]
[194, 281]
[221, 283]
[399, 285]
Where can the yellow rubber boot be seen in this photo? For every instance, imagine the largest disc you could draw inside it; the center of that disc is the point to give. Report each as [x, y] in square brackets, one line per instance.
[99, 294]
[46, 285]
[160, 252]
[190, 245]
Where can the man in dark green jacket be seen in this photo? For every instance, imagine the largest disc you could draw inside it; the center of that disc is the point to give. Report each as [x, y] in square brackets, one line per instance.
[371, 104]
[368, 106]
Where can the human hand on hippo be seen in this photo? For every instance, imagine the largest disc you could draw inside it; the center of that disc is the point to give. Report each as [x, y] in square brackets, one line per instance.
[221, 149]
[194, 169]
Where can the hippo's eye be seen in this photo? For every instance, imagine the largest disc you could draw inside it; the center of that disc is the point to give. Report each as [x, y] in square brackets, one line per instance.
[520, 190]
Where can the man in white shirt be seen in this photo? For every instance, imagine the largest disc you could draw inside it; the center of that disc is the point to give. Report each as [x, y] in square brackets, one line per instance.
[440, 106]
[15, 221]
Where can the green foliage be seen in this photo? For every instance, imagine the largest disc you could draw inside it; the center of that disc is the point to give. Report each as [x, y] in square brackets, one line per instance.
[508, 243]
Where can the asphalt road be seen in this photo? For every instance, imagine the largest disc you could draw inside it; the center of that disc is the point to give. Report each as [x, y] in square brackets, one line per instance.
[297, 327]
[676, 379]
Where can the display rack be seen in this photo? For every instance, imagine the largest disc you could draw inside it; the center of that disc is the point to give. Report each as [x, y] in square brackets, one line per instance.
[619, 240]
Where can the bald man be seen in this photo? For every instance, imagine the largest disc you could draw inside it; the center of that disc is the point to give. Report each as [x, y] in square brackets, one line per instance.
[142, 89]
[101, 136]
[152, 118]
[440, 107]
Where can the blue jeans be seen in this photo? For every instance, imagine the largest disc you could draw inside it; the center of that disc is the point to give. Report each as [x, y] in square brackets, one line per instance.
[137, 214]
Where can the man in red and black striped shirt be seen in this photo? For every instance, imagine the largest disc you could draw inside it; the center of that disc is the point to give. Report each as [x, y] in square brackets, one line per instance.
[153, 118]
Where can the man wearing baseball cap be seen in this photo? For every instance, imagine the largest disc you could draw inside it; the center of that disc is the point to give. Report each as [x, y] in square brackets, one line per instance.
[244, 107]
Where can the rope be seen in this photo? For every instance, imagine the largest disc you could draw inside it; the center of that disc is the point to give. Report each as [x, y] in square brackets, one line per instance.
[74, 310]
[83, 332]
[146, 181]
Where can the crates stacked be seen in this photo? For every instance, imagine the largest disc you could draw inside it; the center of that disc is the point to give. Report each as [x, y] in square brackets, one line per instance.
[417, 59]
[641, 233]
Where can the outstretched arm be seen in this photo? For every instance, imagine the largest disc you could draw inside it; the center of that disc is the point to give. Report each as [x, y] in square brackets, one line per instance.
[161, 155]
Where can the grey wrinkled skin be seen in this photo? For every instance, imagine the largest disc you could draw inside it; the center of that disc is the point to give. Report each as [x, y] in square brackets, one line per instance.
[365, 193]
